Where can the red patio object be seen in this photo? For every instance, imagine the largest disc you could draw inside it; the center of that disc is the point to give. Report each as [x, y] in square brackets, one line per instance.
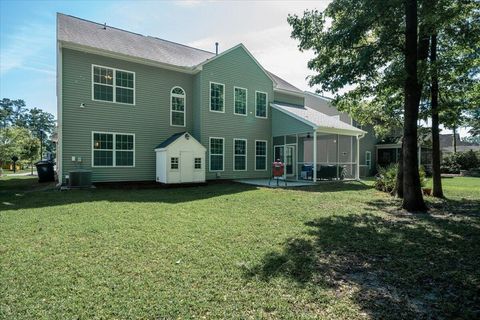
[278, 168]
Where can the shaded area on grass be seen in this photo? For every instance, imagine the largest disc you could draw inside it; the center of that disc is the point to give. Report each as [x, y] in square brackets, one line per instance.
[13, 190]
[392, 267]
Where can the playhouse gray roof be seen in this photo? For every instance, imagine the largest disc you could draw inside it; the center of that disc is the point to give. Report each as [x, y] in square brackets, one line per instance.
[170, 140]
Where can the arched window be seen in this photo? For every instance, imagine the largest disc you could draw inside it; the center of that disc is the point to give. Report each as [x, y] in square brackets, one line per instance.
[177, 107]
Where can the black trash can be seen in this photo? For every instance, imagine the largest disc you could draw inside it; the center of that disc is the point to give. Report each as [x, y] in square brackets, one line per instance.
[45, 171]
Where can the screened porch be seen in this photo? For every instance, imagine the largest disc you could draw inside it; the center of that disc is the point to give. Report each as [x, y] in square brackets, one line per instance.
[314, 146]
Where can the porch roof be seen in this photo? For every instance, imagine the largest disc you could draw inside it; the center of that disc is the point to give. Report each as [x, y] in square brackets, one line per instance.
[317, 121]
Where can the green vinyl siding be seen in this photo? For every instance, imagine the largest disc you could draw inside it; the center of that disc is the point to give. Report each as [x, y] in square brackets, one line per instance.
[235, 69]
[284, 124]
[148, 119]
[288, 98]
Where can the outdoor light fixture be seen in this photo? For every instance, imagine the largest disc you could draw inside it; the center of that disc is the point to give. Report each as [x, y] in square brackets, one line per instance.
[82, 105]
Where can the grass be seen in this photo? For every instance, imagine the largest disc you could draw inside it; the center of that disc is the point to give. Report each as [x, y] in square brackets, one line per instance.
[336, 251]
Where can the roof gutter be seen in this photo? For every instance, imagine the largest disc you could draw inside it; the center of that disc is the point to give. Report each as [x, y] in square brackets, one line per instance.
[290, 92]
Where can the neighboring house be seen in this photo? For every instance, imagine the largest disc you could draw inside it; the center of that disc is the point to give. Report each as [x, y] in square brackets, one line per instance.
[122, 94]
[446, 144]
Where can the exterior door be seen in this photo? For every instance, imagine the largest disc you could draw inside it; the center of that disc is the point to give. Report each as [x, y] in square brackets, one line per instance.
[287, 156]
[186, 166]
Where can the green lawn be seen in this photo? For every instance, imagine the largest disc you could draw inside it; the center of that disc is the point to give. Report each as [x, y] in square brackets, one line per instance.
[336, 251]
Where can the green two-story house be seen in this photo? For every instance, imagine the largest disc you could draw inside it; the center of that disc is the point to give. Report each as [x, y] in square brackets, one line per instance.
[123, 98]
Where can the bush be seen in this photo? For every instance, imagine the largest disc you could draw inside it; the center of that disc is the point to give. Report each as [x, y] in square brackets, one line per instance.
[386, 178]
[455, 162]
[468, 160]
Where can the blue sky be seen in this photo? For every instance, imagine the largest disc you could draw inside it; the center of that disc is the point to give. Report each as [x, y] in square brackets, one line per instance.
[27, 36]
[28, 47]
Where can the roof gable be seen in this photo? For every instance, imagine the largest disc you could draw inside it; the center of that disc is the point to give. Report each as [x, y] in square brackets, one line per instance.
[176, 137]
[226, 52]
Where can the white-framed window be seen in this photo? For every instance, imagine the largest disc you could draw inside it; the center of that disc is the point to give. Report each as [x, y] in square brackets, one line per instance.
[240, 96]
[217, 97]
[174, 163]
[113, 85]
[260, 155]
[261, 104]
[368, 159]
[217, 151]
[198, 163]
[177, 107]
[111, 149]
[240, 154]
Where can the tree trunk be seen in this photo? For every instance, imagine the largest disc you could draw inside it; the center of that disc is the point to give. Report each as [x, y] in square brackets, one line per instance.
[454, 141]
[437, 177]
[412, 192]
[399, 181]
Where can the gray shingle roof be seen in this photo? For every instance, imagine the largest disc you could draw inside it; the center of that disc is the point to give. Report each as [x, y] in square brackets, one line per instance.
[284, 85]
[320, 121]
[95, 35]
[92, 34]
[170, 140]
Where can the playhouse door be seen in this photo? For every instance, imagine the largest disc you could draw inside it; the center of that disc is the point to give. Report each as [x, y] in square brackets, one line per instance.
[186, 166]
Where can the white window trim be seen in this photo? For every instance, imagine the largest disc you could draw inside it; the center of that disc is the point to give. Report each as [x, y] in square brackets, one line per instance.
[201, 163]
[210, 154]
[178, 164]
[114, 86]
[369, 159]
[114, 160]
[246, 154]
[266, 107]
[176, 95]
[266, 155]
[210, 97]
[246, 101]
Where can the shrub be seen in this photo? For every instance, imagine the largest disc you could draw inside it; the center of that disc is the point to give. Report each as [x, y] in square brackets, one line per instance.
[468, 160]
[455, 162]
[386, 178]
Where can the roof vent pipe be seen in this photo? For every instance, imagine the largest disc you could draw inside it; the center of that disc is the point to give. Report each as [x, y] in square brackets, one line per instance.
[216, 48]
[105, 26]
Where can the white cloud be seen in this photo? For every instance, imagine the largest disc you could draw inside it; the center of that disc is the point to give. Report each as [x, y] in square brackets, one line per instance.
[22, 48]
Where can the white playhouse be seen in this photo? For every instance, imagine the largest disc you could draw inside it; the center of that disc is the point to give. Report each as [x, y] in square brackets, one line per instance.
[180, 159]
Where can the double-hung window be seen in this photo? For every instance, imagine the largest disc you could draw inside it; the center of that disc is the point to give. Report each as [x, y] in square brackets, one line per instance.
[240, 101]
[368, 159]
[239, 154]
[177, 107]
[113, 85]
[261, 100]
[216, 154]
[260, 155]
[113, 149]
[217, 97]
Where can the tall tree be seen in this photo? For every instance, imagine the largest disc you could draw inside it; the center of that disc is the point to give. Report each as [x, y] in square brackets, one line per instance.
[362, 43]
[437, 178]
[412, 193]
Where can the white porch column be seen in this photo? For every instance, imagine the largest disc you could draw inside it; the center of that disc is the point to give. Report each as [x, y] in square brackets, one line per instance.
[296, 157]
[314, 156]
[284, 160]
[357, 160]
[338, 157]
